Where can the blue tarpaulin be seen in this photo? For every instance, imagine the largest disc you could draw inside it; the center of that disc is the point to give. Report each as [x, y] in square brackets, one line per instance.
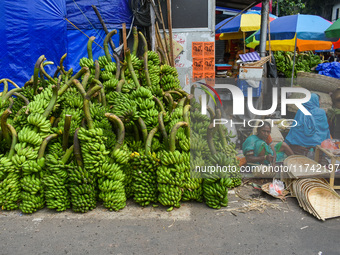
[331, 69]
[31, 28]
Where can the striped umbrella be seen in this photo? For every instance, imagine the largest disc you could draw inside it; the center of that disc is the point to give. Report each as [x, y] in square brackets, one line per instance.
[235, 27]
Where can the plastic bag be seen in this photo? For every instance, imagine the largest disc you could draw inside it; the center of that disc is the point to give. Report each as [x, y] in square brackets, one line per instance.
[276, 188]
[329, 144]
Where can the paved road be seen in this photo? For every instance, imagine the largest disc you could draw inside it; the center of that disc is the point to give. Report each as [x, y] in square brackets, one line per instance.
[283, 228]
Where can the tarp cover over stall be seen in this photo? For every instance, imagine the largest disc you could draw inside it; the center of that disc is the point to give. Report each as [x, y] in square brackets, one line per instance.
[31, 28]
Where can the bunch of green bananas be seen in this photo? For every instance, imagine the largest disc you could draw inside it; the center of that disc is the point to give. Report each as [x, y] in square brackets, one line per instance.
[169, 78]
[9, 184]
[102, 60]
[71, 99]
[85, 62]
[122, 158]
[111, 186]
[136, 64]
[125, 109]
[171, 177]
[110, 85]
[82, 188]
[98, 111]
[32, 195]
[40, 101]
[77, 117]
[215, 191]
[153, 68]
[92, 143]
[55, 182]
[144, 177]
[28, 93]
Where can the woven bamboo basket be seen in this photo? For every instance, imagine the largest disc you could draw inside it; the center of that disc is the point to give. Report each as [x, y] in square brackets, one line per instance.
[303, 167]
[258, 63]
[325, 202]
[317, 82]
[317, 197]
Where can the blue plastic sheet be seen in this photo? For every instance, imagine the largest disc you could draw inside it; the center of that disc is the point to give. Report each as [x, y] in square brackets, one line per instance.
[331, 69]
[114, 13]
[31, 28]
[28, 30]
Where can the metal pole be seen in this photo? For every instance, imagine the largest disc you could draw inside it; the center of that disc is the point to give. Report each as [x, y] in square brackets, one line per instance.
[264, 25]
[291, 83]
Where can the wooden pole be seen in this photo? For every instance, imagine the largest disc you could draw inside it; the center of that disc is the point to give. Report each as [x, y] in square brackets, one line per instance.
[103, 25]
[161, 43]
[244, 42]
[168, 2]
[124, 37]
[164, 32]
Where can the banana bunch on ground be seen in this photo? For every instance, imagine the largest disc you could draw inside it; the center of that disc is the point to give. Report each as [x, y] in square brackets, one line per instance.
[228, 158]
[10, 186]
[215, 191]
[144, 177]
[82, 188]
[122, 158]
[32, 195]
[55, 181]
[169, 78]
[171, 178]
[111, 186]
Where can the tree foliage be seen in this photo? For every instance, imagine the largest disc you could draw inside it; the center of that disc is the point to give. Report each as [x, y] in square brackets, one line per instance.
[290, 7]
[314, 7]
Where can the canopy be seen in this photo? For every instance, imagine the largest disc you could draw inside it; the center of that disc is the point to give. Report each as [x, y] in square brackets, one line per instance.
[305, 27]
[306, 30]
[288, 45]
[249, 21]
[334, 30]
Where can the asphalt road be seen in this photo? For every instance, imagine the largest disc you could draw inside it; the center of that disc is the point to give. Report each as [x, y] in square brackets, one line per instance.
[280, 228]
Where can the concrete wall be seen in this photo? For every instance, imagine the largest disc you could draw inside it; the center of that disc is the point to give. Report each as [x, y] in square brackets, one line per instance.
[185, 37]
[336, 8]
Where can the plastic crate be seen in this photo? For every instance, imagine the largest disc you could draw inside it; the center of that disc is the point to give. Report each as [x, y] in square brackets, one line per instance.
[243, 85]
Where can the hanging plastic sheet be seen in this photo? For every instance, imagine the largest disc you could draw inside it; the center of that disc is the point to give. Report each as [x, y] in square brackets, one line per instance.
[29, 29]
[113, 12]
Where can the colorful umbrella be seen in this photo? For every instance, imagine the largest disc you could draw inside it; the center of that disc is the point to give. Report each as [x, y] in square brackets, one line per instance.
[303, 27]
[234, 27]
[334, 30]
[288, 45]
[303, 31]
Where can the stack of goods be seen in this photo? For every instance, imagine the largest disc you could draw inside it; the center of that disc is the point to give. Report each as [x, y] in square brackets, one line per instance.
[109, 132]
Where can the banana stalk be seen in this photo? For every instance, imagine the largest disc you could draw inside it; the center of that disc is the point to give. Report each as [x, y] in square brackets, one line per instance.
[145, 58]
[132, 71]
[121, 129]
[66, 131]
